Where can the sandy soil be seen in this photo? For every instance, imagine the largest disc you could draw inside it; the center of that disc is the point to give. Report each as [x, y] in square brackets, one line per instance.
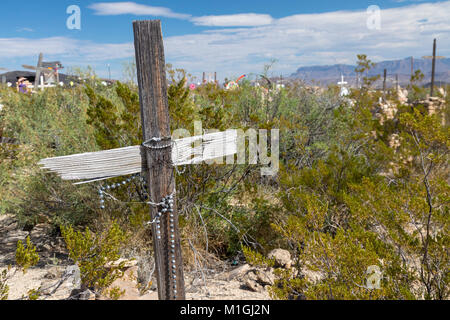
[224, 283]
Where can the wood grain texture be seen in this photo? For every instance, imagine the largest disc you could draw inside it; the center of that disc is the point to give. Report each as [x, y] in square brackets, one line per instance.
[112, 163]
[151, 75]
[38, 70]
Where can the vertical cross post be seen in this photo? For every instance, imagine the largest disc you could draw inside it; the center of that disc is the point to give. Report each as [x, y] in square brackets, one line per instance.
[433, 68]
[384, 84]
[57, 76]
[38, 71]
[151, 76]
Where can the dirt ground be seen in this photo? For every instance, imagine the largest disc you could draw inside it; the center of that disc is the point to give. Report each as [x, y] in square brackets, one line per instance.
[51, 275]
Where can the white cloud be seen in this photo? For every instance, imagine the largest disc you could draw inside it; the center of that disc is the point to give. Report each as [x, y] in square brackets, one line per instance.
[234, 20]
[24, 30]
[64, 48]
[133, 8]
[311, 39]
[296, 40]
[119, 8]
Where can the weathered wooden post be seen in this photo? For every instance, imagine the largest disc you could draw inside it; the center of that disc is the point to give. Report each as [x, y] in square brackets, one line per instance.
[151, 75]
[433, 68]
[384, 84]
[38, 71]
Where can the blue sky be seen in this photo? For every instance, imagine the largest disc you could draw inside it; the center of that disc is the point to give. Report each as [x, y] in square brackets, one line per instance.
[232, 38]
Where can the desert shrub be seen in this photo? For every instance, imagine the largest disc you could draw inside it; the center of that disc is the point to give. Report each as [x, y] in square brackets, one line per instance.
[26, 256]
[115, 293]
[33, 294]
[4, 288]
[49, 123]
[359, 208]
[415, 91]
[255, 258]
[94, 253]
[344, 199]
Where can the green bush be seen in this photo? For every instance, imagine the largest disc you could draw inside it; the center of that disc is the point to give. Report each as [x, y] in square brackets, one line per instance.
[26, 256]
[4, 288]
[94, 254]
[343, 200]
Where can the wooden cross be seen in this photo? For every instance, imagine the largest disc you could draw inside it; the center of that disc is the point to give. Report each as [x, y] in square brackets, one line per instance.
[156, 157]
[433, 66]
[48, 69]
[38, 69]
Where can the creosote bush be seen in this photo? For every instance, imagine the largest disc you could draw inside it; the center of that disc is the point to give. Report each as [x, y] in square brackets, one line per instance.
[95, 253]
[26, 256]
[4, 288]
[345, 198]
[255, 258]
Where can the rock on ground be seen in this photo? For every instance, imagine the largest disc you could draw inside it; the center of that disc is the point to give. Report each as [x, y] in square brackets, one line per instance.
[282, 258]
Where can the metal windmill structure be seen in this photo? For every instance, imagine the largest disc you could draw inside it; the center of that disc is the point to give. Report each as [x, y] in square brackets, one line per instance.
[49, 71]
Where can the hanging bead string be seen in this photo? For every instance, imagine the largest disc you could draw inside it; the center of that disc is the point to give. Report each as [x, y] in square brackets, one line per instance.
[166, 206]
[172, 143]
[102, 190]
[147, 144]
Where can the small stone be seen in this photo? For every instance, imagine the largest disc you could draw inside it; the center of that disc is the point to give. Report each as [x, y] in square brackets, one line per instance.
[239, 272]
[282, 258]
[74, 279]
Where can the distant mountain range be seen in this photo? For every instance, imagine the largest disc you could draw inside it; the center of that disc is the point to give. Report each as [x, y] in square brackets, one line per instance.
[332, 73]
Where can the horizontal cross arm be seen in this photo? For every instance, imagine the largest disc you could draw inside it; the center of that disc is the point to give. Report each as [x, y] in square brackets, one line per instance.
[102, 165]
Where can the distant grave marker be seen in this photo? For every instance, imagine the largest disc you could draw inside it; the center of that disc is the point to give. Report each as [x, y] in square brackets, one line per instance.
[46, 72]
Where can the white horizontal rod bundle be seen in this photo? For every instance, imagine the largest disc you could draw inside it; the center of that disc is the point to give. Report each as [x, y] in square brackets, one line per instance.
[101, 165]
